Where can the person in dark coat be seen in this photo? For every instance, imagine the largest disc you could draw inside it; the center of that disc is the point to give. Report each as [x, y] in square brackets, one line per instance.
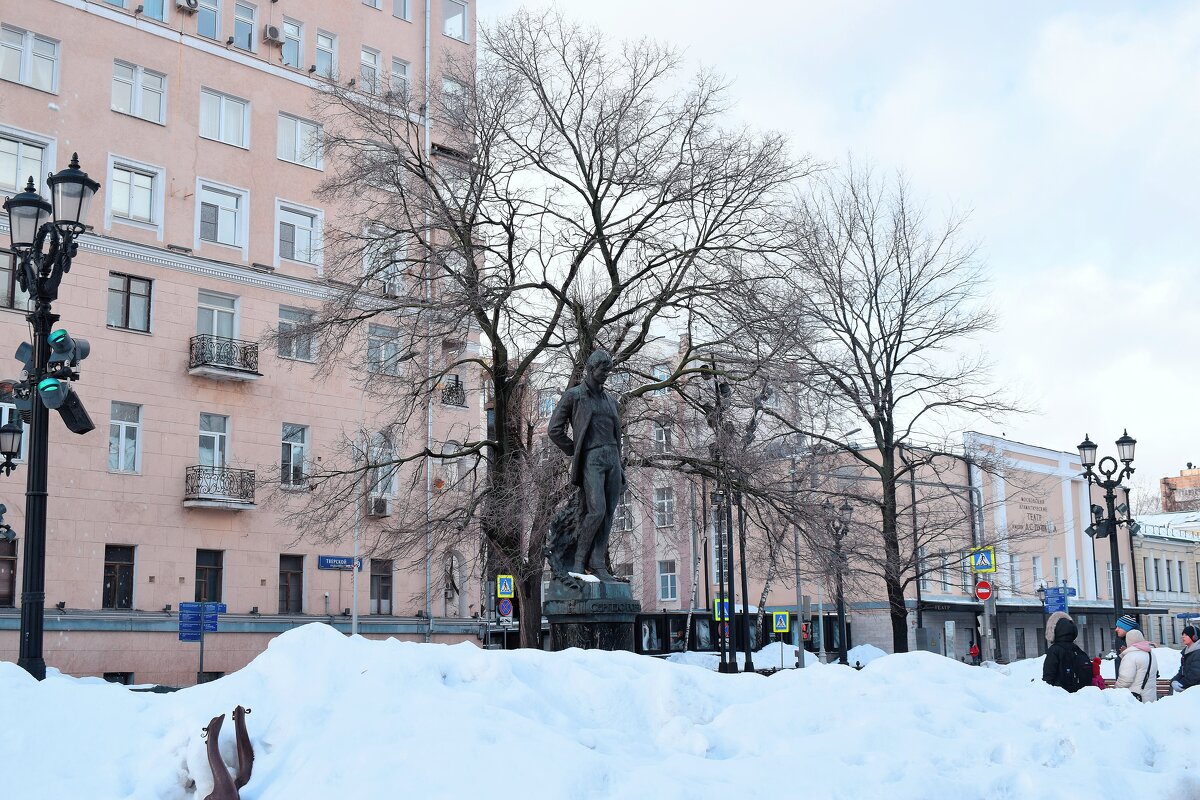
[1189, 663]
[1062, 652]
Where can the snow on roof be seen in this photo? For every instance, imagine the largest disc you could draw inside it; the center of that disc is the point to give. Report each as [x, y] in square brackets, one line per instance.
[1174, 525]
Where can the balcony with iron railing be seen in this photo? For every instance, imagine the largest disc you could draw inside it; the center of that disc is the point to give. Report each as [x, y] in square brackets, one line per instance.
[218, 487]
[454, 393]
[223, 359]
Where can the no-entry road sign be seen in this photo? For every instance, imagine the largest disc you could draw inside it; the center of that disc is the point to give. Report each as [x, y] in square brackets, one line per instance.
[983, 590]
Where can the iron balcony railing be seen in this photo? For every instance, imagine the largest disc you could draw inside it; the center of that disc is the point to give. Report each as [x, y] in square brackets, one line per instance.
[218, 351]
[219, 483]
[453, 392]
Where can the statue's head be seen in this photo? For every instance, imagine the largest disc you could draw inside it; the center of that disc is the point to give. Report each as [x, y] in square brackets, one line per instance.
[598, 366]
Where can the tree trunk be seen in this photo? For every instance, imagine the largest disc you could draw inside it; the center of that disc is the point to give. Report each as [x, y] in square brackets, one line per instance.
[897, 609]
[530, 592]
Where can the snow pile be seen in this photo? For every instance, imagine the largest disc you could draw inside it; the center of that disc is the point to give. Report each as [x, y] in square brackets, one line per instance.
[863, 654]
[775, 655]
[335, 717]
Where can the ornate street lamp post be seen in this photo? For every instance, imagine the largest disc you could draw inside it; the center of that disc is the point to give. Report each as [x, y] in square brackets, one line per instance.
[44, 250]
[1112, 474]
[839, 526]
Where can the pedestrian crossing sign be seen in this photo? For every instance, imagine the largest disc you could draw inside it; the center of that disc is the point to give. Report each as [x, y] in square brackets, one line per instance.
[782, 621]
[721, 610]
[504, 586]
[983, 559]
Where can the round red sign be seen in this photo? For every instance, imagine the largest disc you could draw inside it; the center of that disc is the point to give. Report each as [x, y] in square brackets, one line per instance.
[983, 590]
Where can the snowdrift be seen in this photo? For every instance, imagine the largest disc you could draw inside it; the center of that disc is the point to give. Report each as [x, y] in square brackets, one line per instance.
[335, 718]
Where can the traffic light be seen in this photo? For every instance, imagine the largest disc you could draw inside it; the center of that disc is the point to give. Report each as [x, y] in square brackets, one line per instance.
[59, 396]
[66, 353]
[806, 631]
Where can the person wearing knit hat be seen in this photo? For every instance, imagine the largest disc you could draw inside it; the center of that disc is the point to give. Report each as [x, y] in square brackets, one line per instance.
[1189, 663]
[1126, 623]
[1138, 671]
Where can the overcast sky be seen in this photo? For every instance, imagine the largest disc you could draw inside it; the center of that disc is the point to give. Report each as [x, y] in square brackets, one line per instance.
[1069, 132]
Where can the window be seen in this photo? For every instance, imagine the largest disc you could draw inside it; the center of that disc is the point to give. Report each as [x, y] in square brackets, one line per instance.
[124, 437]
[132, 194]
[299, 234]
[292, 52]
[547, 401]
[381, 586]
[454, 99]
[208, 576]
[128, 302]
[661, 432]
[667, 588]
[291, 584]
[214, 440]
[8, 574]
[224, 118]
[1019, 642]
[1147, 573]
[1125, 588]
[208, 18]
[373, 3]
[624, 570]
[123, 678]
[118, 577]
[1057, 571]
[964, 571]
[291, 461]
[383, 350]
[139, 92]
[400, 76]
[20, 160]
[455, 14]
[1037, 570]
[944, 569]
[1078, 576]
[382, 476]
[400, 9]
[368, 70]
[623, 513]
[664, 507]
[660, 372]
[295, 341]
[299, 141]
[1108, 576]
[1014, 572]
[26, 57]
[1170, 578]
[221, 216]
[326, 53]
[1183, 587]
[155, 9]
[926, 583]
[243, 26]
[216, 315]
[11, 295]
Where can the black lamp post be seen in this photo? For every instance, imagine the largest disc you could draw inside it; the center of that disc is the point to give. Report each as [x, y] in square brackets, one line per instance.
[44, 250]
[839, 526]
[1103, 527]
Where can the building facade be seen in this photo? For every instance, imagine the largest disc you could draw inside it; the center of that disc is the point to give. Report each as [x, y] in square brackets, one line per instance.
[206, 240]
[1181, 493]
[1166, 554]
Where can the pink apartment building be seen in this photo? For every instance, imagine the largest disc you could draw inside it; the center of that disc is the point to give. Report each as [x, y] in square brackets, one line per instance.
[195, 117]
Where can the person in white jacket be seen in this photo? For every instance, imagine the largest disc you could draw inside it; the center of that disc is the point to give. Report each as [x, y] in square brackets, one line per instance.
[1139, 672]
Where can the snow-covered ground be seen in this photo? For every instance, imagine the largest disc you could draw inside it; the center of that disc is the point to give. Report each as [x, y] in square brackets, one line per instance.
[351, 719]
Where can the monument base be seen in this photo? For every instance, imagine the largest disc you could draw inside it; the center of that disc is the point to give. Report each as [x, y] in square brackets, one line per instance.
[594, 616]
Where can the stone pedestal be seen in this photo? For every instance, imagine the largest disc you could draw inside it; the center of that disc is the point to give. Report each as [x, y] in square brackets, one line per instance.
[596, 616]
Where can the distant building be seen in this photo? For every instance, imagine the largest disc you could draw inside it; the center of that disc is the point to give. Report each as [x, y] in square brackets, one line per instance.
[1181, 493]
[1166, 555]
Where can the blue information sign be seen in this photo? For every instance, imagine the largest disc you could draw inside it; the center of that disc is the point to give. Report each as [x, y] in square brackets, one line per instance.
[189, 607]
[337, 562]
[189, 637]
[1055, 604]
[189, 627]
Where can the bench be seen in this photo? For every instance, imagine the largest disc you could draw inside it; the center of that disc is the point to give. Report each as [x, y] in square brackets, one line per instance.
[1164, 685]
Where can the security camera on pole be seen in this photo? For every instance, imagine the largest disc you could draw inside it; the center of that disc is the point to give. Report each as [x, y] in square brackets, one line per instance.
[43, 238]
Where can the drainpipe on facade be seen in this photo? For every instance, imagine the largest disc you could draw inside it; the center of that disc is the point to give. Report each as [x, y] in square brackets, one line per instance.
[429, 368]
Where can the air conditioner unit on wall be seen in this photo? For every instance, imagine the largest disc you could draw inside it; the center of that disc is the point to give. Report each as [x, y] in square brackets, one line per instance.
[271, 34]
[378, 506]
[188, 6]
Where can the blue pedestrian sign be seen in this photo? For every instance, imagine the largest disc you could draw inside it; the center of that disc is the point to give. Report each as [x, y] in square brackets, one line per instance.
[782, 622]
[504, 586]
[721, 610]
[983, 559]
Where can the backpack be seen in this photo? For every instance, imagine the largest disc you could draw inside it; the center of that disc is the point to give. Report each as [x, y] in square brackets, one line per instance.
[1074, 669]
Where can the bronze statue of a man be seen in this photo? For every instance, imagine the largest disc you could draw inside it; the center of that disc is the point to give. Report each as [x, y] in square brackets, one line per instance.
[596, 466]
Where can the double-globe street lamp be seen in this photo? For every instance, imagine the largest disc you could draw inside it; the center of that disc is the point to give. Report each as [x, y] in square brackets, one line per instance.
[43, 237]
[1112, 474]
[839, 526]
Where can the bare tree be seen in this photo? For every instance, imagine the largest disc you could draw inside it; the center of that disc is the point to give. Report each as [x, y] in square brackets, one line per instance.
[888, 301]
[572, 196]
